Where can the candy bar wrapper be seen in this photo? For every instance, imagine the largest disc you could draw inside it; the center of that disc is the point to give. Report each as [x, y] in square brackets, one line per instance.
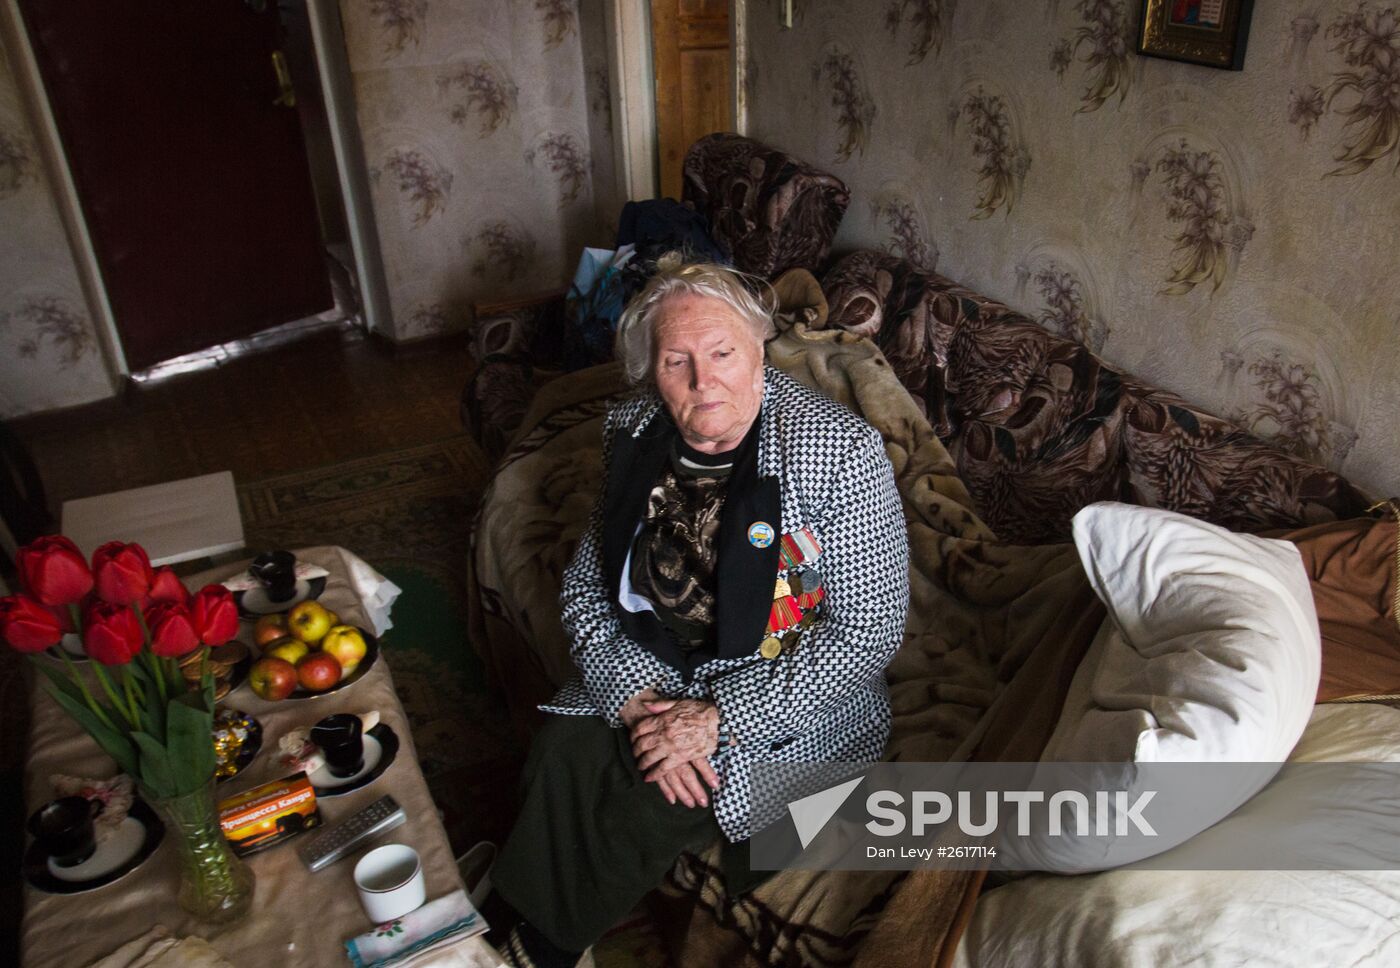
[269, 814]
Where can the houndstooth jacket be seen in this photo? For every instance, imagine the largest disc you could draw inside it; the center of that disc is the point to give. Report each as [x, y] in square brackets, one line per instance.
[818, 466]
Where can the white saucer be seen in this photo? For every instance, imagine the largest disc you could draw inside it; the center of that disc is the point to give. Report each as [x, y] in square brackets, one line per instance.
[323, 779]
[116, 850]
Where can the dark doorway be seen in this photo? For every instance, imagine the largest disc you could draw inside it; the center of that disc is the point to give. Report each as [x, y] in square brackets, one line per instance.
[180, 129]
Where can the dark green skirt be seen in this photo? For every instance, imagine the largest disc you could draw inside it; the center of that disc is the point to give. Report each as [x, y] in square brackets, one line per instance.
[593, 838]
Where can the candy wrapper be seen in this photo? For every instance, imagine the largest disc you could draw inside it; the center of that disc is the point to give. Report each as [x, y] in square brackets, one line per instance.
[237, 737]
[115, 794]
[243, 581]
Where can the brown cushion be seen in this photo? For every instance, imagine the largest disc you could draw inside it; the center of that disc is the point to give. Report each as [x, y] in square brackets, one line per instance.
[1352, 567]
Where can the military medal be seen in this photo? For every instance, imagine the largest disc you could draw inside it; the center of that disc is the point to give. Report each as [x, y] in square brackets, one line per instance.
[795, 597]
[798, 547]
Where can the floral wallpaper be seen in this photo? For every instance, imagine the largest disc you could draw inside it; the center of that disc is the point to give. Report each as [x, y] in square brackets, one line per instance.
[1227, 235]
[487, 132]
[49, 354]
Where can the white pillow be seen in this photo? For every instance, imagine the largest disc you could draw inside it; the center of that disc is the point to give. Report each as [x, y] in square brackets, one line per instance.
[1211, 652]
[1264, 919]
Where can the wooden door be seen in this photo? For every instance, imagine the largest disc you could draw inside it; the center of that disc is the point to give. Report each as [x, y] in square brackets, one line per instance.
[693, 66]
[192, 179]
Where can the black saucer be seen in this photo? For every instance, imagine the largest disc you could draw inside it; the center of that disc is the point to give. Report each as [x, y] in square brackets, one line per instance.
[388, 742]
[254, 602]
[41, 876]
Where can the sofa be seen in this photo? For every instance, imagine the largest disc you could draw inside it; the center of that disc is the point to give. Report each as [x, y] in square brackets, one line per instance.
[1040, 426]
[998, 432]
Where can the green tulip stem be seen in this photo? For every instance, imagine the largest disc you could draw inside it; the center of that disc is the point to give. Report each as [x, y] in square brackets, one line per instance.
[148, 656]
[155, 665]
[77, 615]
[112, 694]
[130, 691]
[88, 697]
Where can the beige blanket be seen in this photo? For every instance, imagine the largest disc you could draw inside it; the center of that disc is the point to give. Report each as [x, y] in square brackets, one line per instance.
[993, 637]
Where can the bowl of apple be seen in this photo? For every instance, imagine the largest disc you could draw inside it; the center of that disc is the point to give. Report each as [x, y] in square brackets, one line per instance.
[308, 652]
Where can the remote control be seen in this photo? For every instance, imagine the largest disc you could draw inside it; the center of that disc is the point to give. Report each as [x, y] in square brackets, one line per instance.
[333, 843]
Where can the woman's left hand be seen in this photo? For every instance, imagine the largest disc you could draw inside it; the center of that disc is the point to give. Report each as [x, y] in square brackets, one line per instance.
[676, 732]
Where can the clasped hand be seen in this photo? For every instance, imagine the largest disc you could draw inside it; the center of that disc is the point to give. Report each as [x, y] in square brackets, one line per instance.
[672, 740]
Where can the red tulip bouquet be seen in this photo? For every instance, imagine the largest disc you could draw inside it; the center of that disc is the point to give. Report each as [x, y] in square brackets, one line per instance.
[135, 622]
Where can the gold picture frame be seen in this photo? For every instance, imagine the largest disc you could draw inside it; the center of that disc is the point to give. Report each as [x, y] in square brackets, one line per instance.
[1208, 32]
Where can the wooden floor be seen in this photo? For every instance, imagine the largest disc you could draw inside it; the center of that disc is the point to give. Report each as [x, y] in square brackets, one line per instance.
[325, 399]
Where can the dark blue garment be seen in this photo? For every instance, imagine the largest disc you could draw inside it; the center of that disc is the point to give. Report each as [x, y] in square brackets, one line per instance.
[655, 227]
[661, 225]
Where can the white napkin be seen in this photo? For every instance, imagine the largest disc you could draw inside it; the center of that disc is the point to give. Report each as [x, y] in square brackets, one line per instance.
[433, 928]
[376, 593]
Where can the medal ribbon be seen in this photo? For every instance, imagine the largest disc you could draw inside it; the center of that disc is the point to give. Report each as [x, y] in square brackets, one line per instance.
[794, 549]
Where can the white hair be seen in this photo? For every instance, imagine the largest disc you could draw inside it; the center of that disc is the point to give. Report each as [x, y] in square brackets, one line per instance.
[636, 327]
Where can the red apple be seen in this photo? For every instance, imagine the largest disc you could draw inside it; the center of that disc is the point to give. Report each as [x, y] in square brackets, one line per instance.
[318, 671]
[270, 628]
[273, 679]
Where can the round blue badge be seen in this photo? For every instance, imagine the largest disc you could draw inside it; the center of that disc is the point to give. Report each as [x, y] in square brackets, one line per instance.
[760, 534]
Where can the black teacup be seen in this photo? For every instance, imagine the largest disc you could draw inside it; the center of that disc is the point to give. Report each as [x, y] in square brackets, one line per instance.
[64, 829]
[277, 571]
[339, 738]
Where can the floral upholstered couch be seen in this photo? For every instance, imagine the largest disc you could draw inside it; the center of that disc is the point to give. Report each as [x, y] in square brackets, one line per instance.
[770, 211]
[1040, 427]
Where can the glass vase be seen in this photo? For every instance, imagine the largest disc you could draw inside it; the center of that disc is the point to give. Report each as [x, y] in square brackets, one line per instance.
[215, 885]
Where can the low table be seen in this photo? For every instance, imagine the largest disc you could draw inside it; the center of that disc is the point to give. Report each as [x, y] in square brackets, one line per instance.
[298, 918]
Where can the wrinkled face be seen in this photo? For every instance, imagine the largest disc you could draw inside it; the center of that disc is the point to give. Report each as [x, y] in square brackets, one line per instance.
[709, 371]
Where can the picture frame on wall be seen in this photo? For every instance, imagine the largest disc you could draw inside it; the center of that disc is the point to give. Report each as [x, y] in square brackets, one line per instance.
[1208, 32]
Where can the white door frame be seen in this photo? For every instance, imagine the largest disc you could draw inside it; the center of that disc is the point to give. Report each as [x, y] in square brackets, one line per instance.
[634, 89]
[15, 39]
[332, 63]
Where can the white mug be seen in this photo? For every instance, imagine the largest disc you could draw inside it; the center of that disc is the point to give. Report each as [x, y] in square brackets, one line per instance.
[390, 882]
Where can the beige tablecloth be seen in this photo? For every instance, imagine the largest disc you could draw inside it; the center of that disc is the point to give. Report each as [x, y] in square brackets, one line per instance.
[298, 918]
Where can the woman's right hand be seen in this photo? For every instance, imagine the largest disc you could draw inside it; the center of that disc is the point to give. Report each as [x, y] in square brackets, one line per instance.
[688, 783]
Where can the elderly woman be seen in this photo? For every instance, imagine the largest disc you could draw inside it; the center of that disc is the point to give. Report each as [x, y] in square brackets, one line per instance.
[742, 585]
